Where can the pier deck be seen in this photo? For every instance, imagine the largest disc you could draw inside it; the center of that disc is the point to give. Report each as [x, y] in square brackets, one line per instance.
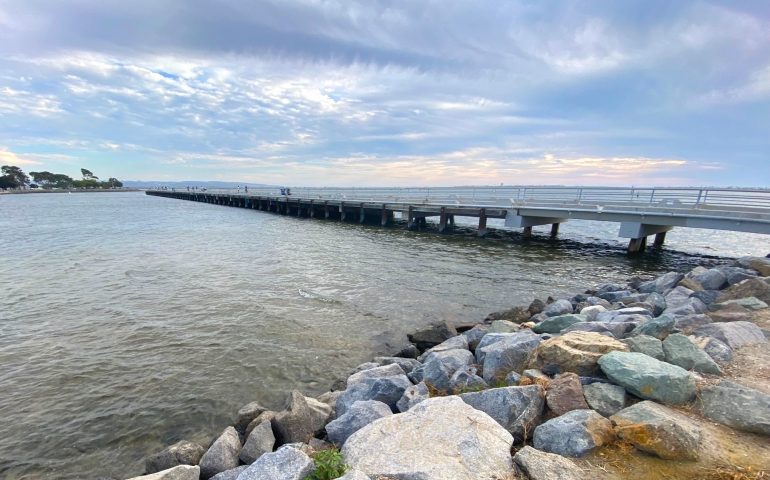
[641, 212]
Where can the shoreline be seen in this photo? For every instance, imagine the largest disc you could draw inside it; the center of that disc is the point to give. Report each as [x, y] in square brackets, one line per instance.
[520, 353]
[24, 192]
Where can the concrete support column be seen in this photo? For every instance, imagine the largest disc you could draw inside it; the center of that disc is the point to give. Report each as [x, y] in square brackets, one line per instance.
[361, 214]
[326, 210]
[637, 245]
[660, 238]
[554, 229]
[482, 222]
[451, 221]
[299, 208]
[442, 220]
[527, 232]
[410, 223]
[383, 216]
[342, 211]
[312, 210]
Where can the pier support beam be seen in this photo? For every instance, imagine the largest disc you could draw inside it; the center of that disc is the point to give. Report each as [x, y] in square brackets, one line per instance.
[554, 230]
[383, 216]
[637, 245]
[410, 223]
[660, 238]
[482, 222]
[312, 210]
[442, 220]
[361, 214]
[326, 210]
[342, 211]
[527, 232]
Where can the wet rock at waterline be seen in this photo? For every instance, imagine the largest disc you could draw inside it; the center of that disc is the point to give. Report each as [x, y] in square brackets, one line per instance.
[180, 453]
[222, 454]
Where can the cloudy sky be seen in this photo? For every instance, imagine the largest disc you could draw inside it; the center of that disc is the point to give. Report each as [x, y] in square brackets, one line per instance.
[333, 92]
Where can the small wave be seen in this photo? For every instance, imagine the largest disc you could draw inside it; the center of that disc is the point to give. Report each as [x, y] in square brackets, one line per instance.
[315, 296]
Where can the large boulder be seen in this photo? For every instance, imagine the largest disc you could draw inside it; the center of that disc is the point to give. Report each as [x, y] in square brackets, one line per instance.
[558, 323]
[432, 336]
[625, 313]
[661, 284]
[753, 287]
[658, 430]
[354, 475]
[734, 334]
[537, 465]
[387, 390]
[222, 454]
[712, 279]
[565, 393]
[466, 379]
[677, 297]
[383, 371]
[559, 307]
[231, 474]
[474, 335]
[440, 438]
[517, 409]
[730, 313]
[406, 364]
[615, 329]
[303, 418]
[412, 395]
[605, 398]
[359, 415]
[286, 463]
[648, 378]
[647, 345]
[573, 434]
[591, 312]
[688, 323]
[576, 352]
[681, 351]
[659, 327]
[760, 264]
[247, 414]
[460, 341]
[180, 453]
[438, 367]
[515, 315]
[503, 326]
[736, 406]
[718, 350]
[749, 303]
[261, 440]
[510, 354]
[180, 472]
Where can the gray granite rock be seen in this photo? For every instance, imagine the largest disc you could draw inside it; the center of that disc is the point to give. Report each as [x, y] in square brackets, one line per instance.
[517, 409]
[712, 279]
[615, 296]
[432, 336]
[734, 334]
[559, 307]
[565, 393]
[661, 284]
[615, 329]
[657, 301]
[303, 418]
[458, 342]
[388, 390]
[466, 379]
[611, 315]
[647, 345]
[573, 434]
[359, 415]
[718, 350]
[504, 326]
[749, 303]
[286, 463]
[474, 335]
[706, 296]
[246, 414]
[688, 323]
[648, 378]
[375, 372]
[406, 364]
[260, 441]
[438, 439]
[509, 354]
[736, 406]
[222, 454]
[591, 311]
[605, 398]
[438, 367]
[658, 430]
[180, 472]
[231, 474]
[537, 465]
[355, 475]
[180, 453]
[679, 350]
[412, 395]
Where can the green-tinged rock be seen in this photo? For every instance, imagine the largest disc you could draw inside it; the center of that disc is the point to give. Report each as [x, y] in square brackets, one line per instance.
[649, 378]
[658, 430]
[750, 303]
[736, 406]
[605, 398]
[682, 352]
[559, 323]
[658, 327]
[647, 345]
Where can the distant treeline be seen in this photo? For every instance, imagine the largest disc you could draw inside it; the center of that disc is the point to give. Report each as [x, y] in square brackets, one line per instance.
[15, 178]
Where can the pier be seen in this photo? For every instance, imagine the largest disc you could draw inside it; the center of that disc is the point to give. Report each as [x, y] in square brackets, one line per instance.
[641, 212]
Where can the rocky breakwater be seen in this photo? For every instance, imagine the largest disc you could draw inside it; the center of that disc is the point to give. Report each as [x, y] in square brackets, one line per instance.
[643, 367]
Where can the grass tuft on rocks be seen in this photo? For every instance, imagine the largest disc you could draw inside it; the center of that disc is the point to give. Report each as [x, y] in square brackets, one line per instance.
[328, 465]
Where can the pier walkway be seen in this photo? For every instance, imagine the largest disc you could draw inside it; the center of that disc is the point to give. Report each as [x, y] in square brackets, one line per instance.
[641, 212]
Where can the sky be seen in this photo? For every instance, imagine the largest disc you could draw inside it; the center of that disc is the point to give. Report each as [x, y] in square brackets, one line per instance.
[388, 93]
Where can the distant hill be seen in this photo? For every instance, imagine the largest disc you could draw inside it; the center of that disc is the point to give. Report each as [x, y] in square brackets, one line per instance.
[191, 183]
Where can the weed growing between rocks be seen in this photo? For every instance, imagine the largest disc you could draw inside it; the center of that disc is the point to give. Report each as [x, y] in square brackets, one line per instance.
[328, 465]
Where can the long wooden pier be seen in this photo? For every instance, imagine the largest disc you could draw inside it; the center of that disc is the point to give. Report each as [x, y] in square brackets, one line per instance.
[641, 212]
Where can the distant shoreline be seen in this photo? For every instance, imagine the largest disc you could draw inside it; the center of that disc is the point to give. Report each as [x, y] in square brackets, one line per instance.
[74, 190]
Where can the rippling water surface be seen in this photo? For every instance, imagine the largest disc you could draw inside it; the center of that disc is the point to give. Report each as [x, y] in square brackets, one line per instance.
[128, 322]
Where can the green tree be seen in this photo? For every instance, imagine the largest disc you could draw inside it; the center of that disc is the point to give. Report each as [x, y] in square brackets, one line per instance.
[87, 175]
[114, 183]
[7, 181]
[19, 176]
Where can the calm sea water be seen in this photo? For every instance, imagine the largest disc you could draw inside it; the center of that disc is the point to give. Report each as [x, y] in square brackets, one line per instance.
[128, 322]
